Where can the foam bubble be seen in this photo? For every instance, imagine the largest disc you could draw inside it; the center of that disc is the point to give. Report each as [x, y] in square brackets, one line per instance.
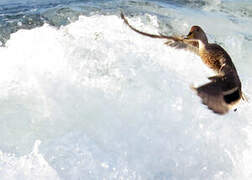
[108, 103]
[31, 166]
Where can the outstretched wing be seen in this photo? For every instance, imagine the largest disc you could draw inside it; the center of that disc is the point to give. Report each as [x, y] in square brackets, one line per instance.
[180, 44]
[172, 41]
[143, 33]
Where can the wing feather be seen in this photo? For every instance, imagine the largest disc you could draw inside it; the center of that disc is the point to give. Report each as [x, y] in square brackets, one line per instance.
[216, 95]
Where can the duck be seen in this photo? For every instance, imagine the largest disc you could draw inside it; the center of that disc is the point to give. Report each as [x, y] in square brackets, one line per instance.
[224, 89]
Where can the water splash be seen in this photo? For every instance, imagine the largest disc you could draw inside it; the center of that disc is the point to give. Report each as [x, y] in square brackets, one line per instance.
[109, 103]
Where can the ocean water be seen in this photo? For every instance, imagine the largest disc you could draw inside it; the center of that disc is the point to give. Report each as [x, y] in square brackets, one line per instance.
[84, 97]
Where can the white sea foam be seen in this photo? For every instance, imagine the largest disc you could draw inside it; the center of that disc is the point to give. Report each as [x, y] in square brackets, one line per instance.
[31, 166]
[108, 103]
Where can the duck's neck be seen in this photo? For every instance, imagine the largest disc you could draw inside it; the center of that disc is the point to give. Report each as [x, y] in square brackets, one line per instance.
[204, 39]
[202, 45]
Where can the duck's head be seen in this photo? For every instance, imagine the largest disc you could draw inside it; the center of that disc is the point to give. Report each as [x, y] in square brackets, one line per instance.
[197, 32]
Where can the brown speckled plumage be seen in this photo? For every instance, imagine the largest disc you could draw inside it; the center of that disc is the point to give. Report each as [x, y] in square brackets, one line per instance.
[224, 89]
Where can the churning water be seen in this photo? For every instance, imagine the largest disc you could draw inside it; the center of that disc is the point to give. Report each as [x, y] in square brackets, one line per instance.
[84, 97]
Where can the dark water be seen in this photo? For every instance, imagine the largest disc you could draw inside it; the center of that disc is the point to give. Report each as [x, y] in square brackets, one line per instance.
[17, 14]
